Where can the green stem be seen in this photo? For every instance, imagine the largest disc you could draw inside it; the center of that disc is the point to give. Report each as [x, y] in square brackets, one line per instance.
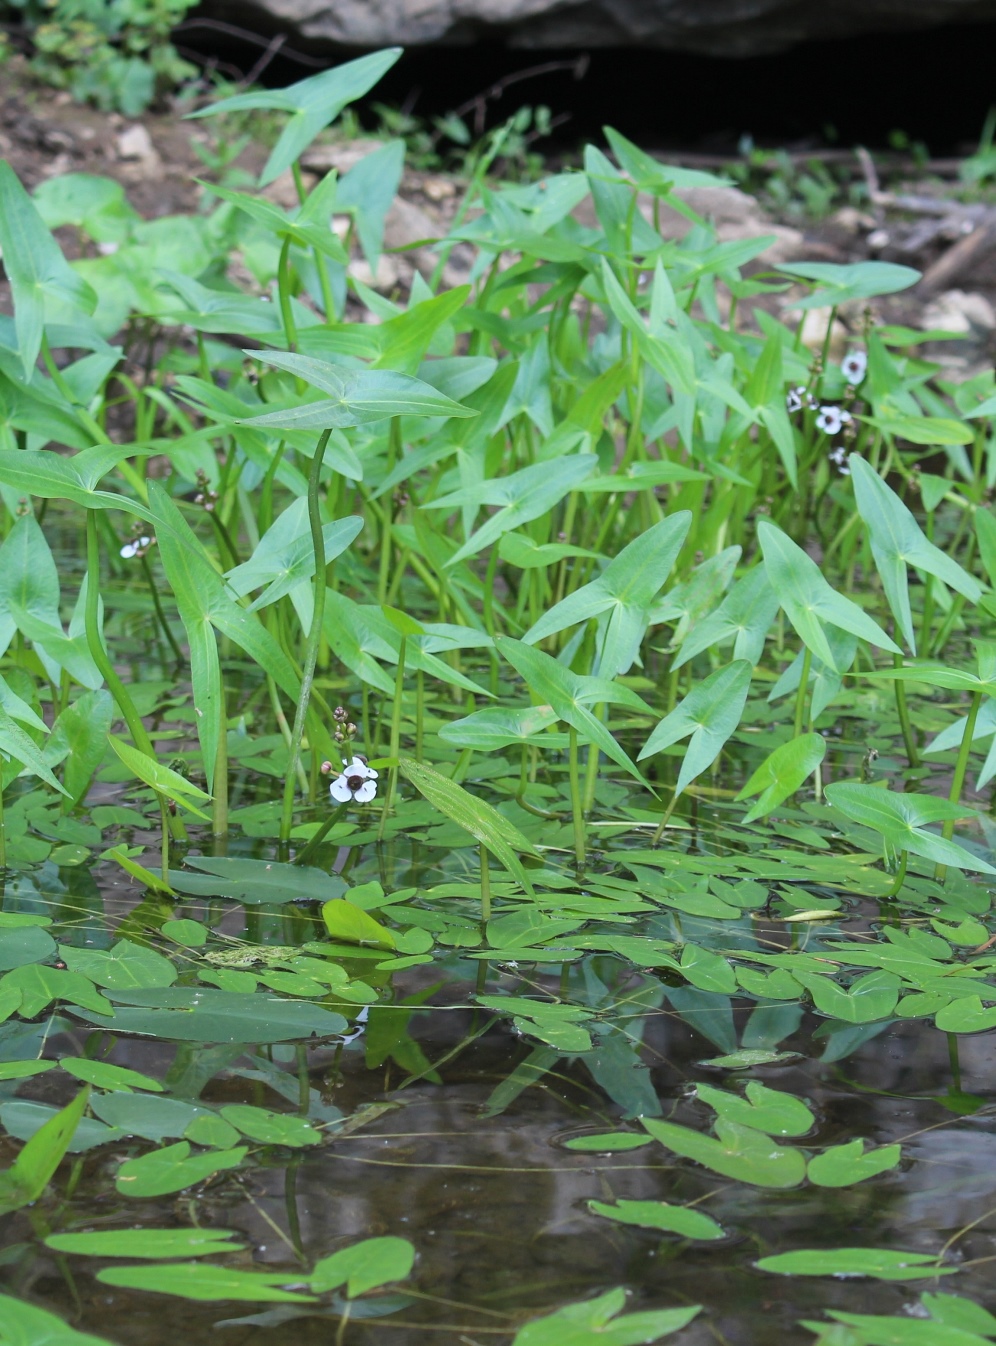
[576, 809]
[219, 808]
[283, 291]
[485, 888]
[96, 647]
[395, 748]
[314, 635]
[305, 855]
[665, 820]
[800, 699]
[912, 755]
[897, 887]
[958, 779]
[3, 833]
[160, 615]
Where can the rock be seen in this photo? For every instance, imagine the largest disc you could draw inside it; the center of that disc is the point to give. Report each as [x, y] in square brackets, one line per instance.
[342, 156]
[406, 224]
[282, 191]
[384, 279]
[712, 27]
[135, 143]
[958, 311]
[814, 331]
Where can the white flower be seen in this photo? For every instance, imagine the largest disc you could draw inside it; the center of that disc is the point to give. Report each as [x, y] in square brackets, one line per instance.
[831, 419]
[793, 399]
[853, 367]
[137, 547]
[838, 457]
[356, 782]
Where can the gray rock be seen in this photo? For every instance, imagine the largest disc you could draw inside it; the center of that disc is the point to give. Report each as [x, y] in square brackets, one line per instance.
[712, 27]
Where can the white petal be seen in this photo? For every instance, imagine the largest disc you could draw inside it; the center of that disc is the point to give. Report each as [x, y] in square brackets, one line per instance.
[366, 792]
[129, 550]
[340, 791]
[370, 774]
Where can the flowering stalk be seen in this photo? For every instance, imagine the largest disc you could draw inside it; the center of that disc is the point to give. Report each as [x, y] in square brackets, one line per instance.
[314, 635]
[392, 775]
[576, 809]
[958, 779]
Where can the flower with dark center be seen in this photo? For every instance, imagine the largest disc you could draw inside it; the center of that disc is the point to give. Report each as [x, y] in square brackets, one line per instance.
[831, 419]
[357, 782]
[854, 367]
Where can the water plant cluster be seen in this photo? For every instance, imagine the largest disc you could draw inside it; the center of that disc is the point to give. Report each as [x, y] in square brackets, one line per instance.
[565, 645]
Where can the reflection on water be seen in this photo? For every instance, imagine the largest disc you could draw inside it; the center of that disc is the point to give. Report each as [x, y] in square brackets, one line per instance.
[498, 1209]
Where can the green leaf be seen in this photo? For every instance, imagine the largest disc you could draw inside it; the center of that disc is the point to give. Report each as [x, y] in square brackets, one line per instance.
[285, 556]
[965, 1015]
[51, 476]
[858, 280]
[35, 267]
[844, 1165]
[28, 944]
[357, 396]
[764, 1109]
[150, 1116]
[608, 1142]
[690, 1224]
[494, 728]
[171, 1169]
[871, 997]
[600, 1322]
[15, 743]
[79, 735]
[26, 1325]
[160, 778]
[808, 599]
[313, 104]
[782, 773]
[190, 934]
[271, 1128]
[897, 542]
[622, 595]
[521, 497]
[121, 968]
[738, 1152]
[554, 685]
[924, 429]
[364, 1266]
[37, 1162]
[146, 1243]
[345, 921]
[40, 985]
[202, 1014]
[23, 1070]
[903, 820]
[197, 1281]
[880, 1330]
[256, 881]
[881, 1264]
[481, 820]
[709, 713]
[107, 1076]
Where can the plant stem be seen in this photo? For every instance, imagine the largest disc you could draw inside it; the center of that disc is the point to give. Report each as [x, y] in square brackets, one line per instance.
[958, 779]
[3, 833]
[219, 809]
[96, 647]
[395, 748]
[485, 887]
[314, 635]
[576, 809]
[160, 615]
[665, 820]
[305, 855]
[912, 755]
[283, 291]
[800, 699]
[897, 887]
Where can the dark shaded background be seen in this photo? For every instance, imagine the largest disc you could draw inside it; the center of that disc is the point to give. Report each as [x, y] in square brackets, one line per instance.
[935, 85]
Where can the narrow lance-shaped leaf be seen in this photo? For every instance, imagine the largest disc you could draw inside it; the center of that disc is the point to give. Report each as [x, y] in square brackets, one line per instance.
[903, 820]
[710, 713]
[483, 822]
[524, 495]
[808, 599]
[625, 590]
[312, 103]
[35, 267]
[554, 685]
[897, 541]
[782, 772]
[356, 396]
